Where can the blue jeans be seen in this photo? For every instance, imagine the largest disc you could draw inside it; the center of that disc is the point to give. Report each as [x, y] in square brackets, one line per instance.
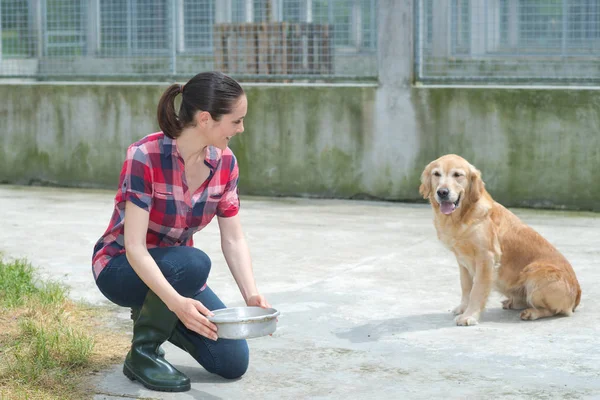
[186, 268]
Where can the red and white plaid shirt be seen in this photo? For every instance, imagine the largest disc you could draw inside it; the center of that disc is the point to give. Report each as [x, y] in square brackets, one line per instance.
[153, 178]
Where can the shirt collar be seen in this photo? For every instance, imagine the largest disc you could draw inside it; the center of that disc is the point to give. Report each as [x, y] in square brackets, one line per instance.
[212, 154]
[169, 148]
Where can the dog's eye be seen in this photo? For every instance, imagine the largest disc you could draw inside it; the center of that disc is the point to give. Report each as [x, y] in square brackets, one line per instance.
[436, 173]
[457, 175]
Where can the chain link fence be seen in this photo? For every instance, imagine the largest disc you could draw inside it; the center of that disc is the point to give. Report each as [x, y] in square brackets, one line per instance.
[525, 41]
[142, 39]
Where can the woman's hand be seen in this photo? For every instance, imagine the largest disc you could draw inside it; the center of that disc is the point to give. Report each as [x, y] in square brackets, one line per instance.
[258, 300]
[193, 315]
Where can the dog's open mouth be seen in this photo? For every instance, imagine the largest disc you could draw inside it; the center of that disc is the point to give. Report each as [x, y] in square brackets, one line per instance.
[447, 207]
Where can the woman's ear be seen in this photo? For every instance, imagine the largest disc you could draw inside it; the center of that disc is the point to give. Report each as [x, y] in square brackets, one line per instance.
[425, 188]
[203, 118]
[475, 185]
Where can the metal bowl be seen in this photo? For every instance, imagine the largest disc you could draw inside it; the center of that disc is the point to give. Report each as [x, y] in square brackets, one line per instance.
[244, 322]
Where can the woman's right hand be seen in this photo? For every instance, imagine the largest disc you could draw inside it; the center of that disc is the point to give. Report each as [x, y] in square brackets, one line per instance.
[193, 314]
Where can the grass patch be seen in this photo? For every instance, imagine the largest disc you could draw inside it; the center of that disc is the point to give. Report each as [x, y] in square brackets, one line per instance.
[50, 347]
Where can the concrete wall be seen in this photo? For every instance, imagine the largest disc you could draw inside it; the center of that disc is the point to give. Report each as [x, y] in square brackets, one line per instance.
[534, 147]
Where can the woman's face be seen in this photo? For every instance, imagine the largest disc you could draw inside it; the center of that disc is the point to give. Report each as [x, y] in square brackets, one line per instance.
[221, 132]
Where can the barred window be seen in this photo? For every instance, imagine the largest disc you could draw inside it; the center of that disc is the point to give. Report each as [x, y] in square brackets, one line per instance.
[353, 21]
[198, 21]
[129, 26]
[17, 36]
[176, 37]
[64, 26]
[507, 40]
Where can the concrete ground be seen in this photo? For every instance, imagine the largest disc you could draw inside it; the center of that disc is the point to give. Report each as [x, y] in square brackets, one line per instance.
[365, 292]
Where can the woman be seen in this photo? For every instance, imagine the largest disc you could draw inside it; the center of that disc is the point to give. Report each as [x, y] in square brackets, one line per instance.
[172, 184]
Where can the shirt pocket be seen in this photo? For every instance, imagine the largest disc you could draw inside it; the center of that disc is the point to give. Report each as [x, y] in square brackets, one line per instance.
[168, 214]
[208, 208]
[164, 202]
[215, 197]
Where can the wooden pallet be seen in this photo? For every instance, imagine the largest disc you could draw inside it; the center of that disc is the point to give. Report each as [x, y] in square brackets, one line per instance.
[273, 48]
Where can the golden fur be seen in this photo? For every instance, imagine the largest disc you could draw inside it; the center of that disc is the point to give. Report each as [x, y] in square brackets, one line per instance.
[494, 248]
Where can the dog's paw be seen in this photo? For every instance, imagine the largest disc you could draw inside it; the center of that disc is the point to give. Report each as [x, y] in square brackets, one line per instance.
[507, 304]
[466, 320]
[529, 314]
[459, 309]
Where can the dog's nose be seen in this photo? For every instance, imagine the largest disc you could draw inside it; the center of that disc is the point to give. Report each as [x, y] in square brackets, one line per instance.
[442, 193]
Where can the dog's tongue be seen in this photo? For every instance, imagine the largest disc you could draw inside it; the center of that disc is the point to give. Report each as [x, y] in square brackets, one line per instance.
[447, 207]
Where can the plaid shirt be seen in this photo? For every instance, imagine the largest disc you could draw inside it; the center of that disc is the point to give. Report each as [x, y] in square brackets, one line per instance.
[152, 178]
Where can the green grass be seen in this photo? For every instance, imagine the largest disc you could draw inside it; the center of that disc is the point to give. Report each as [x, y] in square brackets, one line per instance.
[17, 285]
[48, 344]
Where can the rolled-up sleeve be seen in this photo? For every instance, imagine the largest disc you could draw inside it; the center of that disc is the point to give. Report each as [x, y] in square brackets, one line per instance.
[136, 184]
[229, 205]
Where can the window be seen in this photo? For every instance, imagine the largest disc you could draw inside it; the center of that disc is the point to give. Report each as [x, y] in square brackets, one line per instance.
[461, 37]
[261, 10]
[65, 26]
[198, 21]
[353, 21]
[131, 26]
[369, 25]
[17, 37]
[239, 10]
[524, 27]
[551, 26]
[339, 14]
[294, 11]
[565, 25]
[114, 32]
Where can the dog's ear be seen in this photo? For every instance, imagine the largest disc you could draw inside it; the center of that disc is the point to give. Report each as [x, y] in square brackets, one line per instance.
[475, 185]
[425, 188]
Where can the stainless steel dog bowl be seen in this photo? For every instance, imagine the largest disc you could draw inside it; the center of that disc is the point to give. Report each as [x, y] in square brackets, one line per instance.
[244, 322]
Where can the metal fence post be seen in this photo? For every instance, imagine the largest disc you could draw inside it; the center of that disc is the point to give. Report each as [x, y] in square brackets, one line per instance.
[565, 27]
[419, 22]
[93, 27]
[173, 38]
[41, 22]
[0, 38]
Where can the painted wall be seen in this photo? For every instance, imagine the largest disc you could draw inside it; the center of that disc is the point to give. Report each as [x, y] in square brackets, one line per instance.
[534, 147]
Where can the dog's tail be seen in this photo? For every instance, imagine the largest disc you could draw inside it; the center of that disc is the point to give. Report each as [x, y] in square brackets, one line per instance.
[577, 299]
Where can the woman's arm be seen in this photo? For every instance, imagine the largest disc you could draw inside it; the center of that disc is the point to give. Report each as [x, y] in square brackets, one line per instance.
[236, 252]
[186, 309]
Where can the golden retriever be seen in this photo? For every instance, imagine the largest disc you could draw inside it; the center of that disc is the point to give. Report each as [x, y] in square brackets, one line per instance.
[494, 248]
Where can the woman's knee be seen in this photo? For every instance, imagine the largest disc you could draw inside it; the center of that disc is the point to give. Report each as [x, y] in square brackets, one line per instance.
[186, 268]
[233, 363]
[197, 264]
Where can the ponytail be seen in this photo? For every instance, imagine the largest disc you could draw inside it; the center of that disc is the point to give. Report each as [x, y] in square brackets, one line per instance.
[213, 92]
[168, 120]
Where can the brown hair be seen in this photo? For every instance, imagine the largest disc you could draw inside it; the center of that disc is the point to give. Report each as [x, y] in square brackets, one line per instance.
[213, 92]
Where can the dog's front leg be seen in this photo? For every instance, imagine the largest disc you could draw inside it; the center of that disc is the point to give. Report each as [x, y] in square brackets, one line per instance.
[482, 285]
[466, 284]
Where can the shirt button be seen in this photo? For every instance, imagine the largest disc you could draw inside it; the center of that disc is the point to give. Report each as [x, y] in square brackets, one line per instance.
[186, 228]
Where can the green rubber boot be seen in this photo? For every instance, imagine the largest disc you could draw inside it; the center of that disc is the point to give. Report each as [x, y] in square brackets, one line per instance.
[153, 326]
[176, 338]
[135, 313]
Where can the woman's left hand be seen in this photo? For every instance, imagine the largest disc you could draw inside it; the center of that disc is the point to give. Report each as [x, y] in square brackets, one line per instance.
[258, 300]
